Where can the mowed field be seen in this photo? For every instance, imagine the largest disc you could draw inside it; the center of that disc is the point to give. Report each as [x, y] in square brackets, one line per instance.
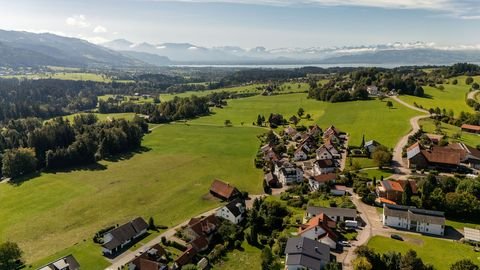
[438, 252]
[372, 118]
[169, 181]
[451, 98]
[471, 139]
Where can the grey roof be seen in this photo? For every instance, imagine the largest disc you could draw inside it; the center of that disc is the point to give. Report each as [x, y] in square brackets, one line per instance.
[306, 252]
[413, 151]
[332, 211]
[372, 142]
[414, 214]
[67, 261]
[125, 232]
[233, 206]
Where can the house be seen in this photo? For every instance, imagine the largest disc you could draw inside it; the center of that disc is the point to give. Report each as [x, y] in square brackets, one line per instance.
[371, 146]
[200, 231]
[155, 258]
[435, 157]
[65, 263]
[434, 138]
[307, 167]
[338, 190]
[288, 173]
[290, 132]
[223, 190]
[233, 211]
[315, 131]
[271, 180]
[304, 253]
[185, 258]
[381, 201]
[116, 239]
[308, 142]
[393, 190]
[300, 154]
[372, 90]
[324, 166]
[328, 152]
[315, 182]
[413, 219]
[470, 128]
[320, 228]
[470, 156]
[334, 213]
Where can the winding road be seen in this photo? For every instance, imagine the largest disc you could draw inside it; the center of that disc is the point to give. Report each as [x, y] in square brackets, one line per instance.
[472, 94]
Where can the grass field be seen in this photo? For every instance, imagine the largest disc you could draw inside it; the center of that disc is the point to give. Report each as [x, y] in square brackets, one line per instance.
[438, 252]
[371, 118]
[377, 173]
[468, 138]
[452, 97]
[74, 76]
[170, 182]
[248, 258]
[129, 98]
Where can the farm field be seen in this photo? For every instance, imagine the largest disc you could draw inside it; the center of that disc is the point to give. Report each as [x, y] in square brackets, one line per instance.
[174, 173]
[471, 139]
[438, 252]
[371, 118]
[451, 98]
[74, 76]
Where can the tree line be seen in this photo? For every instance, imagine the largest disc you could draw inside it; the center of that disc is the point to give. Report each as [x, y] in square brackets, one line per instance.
[27, 145]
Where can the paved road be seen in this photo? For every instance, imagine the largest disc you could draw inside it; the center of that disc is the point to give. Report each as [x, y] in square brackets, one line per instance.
[397, 161]
[127, 256]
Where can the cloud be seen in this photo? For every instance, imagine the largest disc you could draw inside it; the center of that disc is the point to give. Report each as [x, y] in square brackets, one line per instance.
[463, 9]
[99, 29]
[77, 21]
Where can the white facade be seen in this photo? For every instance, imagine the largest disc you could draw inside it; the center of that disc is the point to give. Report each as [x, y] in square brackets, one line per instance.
[323, 153]
[314, 233]
[300, 155]
[288, 179]
[396, 222]
[314, 185]
[412, 223]
[225, 213]
[317, 170]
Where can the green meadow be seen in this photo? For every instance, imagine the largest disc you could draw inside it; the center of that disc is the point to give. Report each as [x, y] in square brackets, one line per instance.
[438, 252]
[471, 139]
[73, 76]
[451, 98]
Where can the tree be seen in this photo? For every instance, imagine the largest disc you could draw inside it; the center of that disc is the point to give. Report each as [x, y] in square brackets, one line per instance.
[228, 123]
[389, 104]
[267, 258]
[464, 264]
[294, 120]
[17, 162]
[189, 267]
[308, 116]
[259, 120]
[361, 263]
[151, 224]
[382, 157]
[469, 80]
[407, 194]
[10, 256]
[455, 82]
[300, 112]
[391, 260]
[333, 266]
[410, 261]
[475, 86]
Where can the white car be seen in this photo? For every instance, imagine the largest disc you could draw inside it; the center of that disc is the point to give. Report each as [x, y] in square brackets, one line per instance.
[345, 243]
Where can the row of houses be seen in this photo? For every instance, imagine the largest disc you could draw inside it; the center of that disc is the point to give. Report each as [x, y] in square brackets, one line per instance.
[414, 219]
[450, 157]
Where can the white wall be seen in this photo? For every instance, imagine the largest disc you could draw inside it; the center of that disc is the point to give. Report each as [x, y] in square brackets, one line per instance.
[395, 222]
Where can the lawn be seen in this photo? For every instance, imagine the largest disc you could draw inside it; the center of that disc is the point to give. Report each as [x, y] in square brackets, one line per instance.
[468, 138]
[438, 252]
[370, 118]
[248, 258]
[106, 116]
[377, 173]
[452, 97]
[74, 76]
[361, 162]
[169, 181]
[460, 224]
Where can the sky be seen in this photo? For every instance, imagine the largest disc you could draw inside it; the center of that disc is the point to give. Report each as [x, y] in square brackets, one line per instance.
[252, 23]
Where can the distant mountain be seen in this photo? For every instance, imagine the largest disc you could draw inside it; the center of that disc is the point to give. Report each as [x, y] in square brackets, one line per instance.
[415, 53]
[29, 49]
[149, 58]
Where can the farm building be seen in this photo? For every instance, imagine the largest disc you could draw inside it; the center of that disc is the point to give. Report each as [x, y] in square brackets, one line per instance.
[223, 190]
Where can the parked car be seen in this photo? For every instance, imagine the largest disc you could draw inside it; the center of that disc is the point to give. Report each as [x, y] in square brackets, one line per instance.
[345, 243]
[396, 237]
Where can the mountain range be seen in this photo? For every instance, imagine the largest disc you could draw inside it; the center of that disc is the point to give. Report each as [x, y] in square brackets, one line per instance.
[18, 48]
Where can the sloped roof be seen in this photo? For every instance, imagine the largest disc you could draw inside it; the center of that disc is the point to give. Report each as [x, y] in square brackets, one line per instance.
[472, 127]
[324, 178]
[125, 232]
[322, 221]
[413, 185]
[413, 150]
[332, 211]
[233, 206]
[389, 185]
[442, 155]
[67, 261]
[325, 163]
[306, 252]
[186, 256]
[223, 189]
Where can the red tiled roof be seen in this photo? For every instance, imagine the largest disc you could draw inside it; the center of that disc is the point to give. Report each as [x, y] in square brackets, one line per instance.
[443, 155]
[324, 178]
[413, 185]
[471, 127]
[391, 185]
[223, 189]
[387, 201]
[186, 256]
[340, 187]
[322, 221]
[205, 225]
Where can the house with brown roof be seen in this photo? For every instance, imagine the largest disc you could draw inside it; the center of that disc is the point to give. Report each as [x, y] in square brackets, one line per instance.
[223, 190]
[393, 190]
[155, 258]
[315, 182]
[434, 157]
[185, 258]
[315, 130]
[414, 219]
[320, 228]
[271, 180]
[471, 128]
[200, 231]
[118, 238]
[324, 166]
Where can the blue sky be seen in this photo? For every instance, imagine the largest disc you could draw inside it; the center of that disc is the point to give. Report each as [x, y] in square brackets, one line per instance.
[249, 23]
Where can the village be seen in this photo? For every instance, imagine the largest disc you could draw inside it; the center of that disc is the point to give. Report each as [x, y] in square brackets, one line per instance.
[299, 167]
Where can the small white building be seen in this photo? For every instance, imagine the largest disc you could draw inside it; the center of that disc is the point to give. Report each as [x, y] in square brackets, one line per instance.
[372, 90]
[234, 211]
[413, 219]
[372, 146]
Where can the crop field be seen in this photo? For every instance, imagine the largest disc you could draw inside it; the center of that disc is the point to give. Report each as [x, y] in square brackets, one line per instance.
[451, 98]
[438, 252]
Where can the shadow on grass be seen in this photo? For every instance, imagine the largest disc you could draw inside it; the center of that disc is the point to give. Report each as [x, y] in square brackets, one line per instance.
[129, 155]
